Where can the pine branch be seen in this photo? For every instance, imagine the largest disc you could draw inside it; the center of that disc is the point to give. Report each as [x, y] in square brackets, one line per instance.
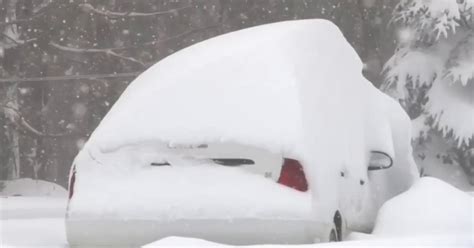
[465, 22]
[90, 9]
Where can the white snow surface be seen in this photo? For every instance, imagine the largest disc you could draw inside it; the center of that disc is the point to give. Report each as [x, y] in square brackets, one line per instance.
[360, 240]
[31, 207]
[260, 86]
[442, 206]
[32, 214]
[32, 187]
[431, 214]
[430, 208]
[182, 241]
[34, 232]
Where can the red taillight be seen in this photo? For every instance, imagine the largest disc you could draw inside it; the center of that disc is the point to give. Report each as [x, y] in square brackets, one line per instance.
[72, 181]
[292, 175]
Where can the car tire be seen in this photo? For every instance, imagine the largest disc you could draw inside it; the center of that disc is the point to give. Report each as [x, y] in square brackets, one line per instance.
[339, 226]
[333, 236]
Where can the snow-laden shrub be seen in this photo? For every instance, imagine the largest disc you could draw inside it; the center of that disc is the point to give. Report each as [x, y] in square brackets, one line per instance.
[432, 72]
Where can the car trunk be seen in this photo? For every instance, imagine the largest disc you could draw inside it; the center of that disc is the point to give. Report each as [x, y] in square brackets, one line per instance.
[228, 193]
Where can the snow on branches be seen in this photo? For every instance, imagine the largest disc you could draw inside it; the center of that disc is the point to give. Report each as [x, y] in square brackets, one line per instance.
[427, 16]
[460, 66]
[435, 60]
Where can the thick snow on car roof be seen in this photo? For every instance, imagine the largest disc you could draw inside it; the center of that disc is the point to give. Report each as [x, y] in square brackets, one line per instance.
[246, 86]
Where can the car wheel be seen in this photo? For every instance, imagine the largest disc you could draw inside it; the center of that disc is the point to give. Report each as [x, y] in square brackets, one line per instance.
[338, 226]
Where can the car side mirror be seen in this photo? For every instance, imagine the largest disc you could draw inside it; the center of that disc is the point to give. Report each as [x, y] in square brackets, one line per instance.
[379, 161]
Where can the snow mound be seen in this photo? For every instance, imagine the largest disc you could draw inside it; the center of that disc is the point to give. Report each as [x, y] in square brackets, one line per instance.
[31, 187]
[182, 241]
[430, 207]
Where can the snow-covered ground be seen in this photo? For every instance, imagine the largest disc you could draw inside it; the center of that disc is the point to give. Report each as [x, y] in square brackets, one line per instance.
[31, 187]
[32, 214]
[431, 213]
[359, 240]
[33, 232]
[430, 208]
[27, 198]
[17, 207]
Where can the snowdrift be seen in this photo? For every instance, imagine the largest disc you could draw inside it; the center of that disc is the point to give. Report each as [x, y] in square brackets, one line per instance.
[32, 187]
[430, 207]
[29, 198]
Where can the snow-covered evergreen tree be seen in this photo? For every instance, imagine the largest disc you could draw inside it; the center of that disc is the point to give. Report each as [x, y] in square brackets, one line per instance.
[432, 73]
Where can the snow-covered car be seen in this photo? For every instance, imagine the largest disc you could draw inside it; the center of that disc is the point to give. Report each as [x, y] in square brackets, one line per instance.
[265, 135]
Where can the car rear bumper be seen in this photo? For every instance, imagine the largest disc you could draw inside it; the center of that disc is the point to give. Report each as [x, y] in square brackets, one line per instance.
[132, 233]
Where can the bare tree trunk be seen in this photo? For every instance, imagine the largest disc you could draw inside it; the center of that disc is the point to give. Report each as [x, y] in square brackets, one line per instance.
[13, 162]
[10, 101]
